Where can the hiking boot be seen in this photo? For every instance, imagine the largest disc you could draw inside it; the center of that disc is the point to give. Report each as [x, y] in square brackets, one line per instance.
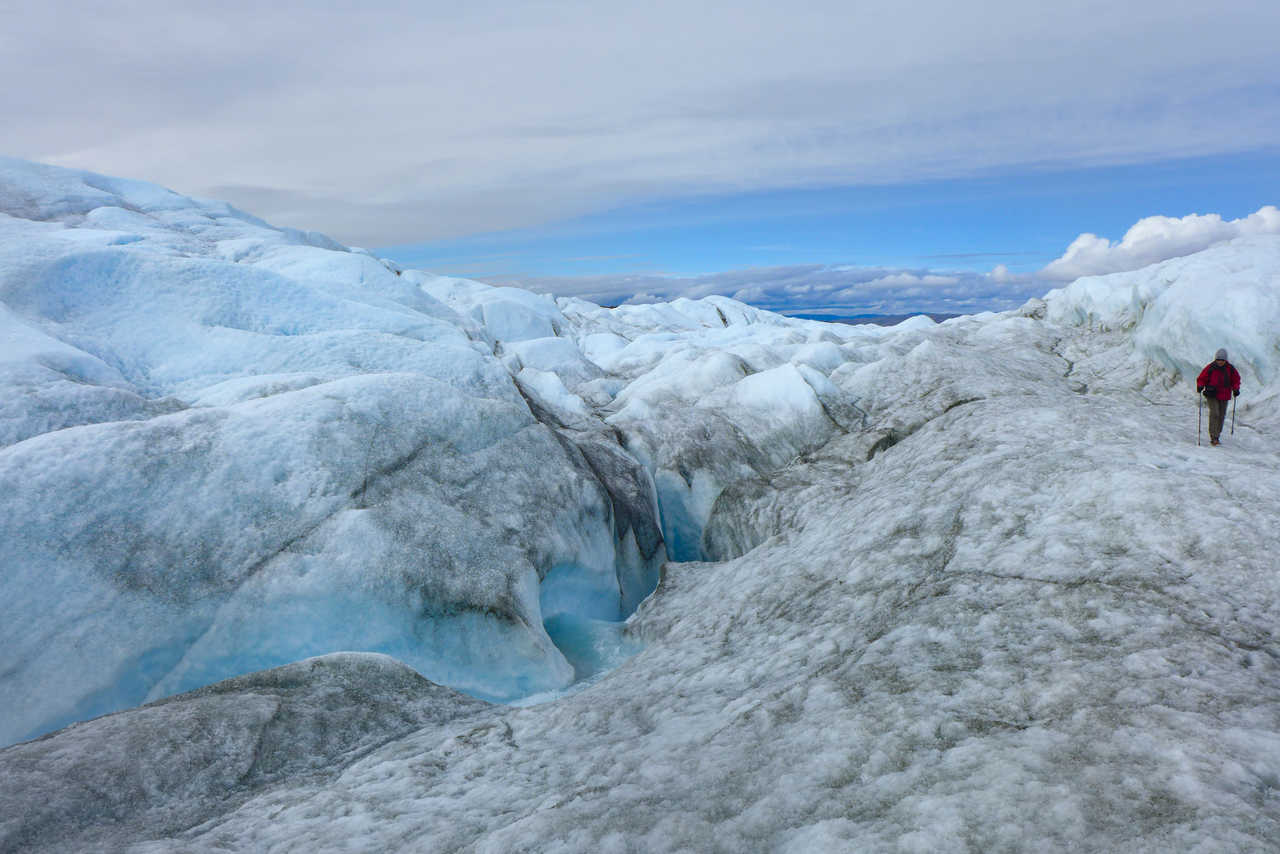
[1213, 441]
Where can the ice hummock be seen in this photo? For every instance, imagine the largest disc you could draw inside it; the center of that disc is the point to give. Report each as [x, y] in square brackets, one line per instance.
[1182, 310]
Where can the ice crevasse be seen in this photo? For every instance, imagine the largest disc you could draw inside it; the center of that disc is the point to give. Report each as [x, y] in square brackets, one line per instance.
[227, 446]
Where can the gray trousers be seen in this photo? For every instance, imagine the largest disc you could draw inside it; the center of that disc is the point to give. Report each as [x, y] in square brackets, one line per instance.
[1217, 414]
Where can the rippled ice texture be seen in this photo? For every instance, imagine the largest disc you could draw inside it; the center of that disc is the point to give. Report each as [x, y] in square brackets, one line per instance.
[998, 600]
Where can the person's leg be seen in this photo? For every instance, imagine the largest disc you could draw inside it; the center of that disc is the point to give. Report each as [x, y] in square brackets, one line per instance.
[1217, 409]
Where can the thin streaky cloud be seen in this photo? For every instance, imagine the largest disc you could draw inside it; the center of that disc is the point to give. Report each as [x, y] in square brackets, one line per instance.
[965, 256]
[385, 125]
[584, 258]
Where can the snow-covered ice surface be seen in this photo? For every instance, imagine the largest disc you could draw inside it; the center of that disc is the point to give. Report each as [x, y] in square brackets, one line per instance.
[968, 586]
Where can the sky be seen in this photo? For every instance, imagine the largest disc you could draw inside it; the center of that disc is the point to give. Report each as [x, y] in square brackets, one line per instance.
[837, 154]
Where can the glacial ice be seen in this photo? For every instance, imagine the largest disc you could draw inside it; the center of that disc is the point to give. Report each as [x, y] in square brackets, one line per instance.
[937, 587]
[164, 766]
[228, 447]
[1182, 310]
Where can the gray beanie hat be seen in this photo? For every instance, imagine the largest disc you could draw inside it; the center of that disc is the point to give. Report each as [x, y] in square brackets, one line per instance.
[1221, 354]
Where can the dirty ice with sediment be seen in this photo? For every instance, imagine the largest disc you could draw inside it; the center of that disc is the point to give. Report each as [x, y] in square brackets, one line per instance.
[306, 552]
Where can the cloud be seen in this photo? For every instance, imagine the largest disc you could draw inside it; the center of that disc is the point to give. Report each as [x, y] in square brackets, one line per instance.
[905, 279]
[807, 288]
[1154, 239]
[1001, 274]
[642, 299]
[849, 290]
[384, 123]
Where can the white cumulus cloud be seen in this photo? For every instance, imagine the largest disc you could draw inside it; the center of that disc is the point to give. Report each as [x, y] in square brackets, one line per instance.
[1154, 239]
[1001, 274]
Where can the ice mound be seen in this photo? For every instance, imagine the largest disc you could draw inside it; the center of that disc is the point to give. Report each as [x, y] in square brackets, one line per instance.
[165, 766]
[1182, 310]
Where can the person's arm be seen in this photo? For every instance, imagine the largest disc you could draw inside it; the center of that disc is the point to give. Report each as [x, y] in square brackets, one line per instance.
[1235, 381]
[1200, 380]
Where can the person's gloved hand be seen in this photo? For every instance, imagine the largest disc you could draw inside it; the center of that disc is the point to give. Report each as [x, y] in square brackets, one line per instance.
[1235, 392]
[1199, 389]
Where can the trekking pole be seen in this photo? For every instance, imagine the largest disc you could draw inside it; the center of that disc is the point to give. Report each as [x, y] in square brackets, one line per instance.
[1199, 417]
[1233, 416]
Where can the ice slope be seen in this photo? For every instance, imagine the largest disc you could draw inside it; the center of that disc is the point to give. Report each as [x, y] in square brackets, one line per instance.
[166, 766]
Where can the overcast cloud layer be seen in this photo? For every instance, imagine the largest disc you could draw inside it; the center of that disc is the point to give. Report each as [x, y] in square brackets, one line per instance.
[383, 124]
[852, 291]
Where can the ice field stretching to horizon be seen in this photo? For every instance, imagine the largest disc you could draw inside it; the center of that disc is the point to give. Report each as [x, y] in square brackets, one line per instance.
[307, 552]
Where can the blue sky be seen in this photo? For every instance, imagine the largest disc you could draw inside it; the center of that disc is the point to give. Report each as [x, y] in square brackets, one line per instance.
[584, 146]
[1022, 221]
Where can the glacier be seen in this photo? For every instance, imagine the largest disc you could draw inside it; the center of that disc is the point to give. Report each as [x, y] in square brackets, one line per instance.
[305, 551]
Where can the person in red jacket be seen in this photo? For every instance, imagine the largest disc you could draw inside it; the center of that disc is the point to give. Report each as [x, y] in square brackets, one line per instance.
[1218, 382]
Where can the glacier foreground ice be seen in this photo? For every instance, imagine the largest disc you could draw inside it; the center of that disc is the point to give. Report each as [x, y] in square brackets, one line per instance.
[968, 586]
[170, 764]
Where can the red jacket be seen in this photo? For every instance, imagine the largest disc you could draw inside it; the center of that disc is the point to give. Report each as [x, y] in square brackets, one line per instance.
[1224, 380]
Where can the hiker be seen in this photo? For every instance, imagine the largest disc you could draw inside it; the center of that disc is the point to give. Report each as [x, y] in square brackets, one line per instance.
[1218, 382]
